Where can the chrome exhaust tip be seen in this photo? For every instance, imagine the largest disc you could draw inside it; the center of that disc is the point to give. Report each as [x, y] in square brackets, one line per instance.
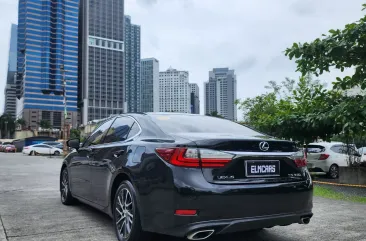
[305, 220]
[201, 235]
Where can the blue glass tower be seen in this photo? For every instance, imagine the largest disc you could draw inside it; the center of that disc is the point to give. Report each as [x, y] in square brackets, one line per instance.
[47, 54]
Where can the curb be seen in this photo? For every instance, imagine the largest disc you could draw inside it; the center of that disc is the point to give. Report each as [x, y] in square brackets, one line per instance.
[339, 184]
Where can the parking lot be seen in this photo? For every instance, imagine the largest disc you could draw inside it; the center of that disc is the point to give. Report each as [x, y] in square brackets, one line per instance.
[30, 209]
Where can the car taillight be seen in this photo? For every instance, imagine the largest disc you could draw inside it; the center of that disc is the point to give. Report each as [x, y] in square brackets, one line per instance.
[195, 158]
[26, 147]
[323, 157]
[299, 159]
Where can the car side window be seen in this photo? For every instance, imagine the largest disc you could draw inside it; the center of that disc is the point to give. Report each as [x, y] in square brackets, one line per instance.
[119, 130]
[97, 136]
[135, 129]
[42, 146]
[337, 149]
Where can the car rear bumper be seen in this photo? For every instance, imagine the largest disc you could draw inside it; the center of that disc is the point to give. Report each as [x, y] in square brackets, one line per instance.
[240, 224]
[224, 208]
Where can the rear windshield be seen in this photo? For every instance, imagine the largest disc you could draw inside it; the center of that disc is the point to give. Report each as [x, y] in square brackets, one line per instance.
[200, 124]
[315, 149]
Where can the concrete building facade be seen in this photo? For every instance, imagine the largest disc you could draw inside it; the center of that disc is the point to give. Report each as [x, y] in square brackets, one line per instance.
[174, 91]
[220, 93]
[10, 87]
[101, 59]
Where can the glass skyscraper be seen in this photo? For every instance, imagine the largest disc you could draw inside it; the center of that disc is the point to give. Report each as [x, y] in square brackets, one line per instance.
[47, 53]
[132, 65]
[149, 85]
[101, 65]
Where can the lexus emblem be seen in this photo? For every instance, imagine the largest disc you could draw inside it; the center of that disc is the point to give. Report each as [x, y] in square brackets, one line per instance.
[263, 146]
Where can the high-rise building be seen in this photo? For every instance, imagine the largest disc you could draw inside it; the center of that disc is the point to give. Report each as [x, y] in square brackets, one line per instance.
[195, 98]
[47, 54]
[149, 85]
[101, 54]
[132, 40]
[174, 91]
[10, 99]
[10, 88]
[220, 93]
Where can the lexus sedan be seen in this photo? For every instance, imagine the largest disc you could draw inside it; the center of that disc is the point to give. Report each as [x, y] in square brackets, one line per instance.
[188, 176]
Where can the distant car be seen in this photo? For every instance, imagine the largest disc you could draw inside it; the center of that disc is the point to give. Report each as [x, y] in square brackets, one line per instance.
[2, 146]
[327, 157]
[362, 152]
[42, 149]
[52, 143]
[10, 148]
[60, 146]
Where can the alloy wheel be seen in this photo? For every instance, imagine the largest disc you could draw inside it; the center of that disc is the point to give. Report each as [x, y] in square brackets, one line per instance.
[124, 213]
[64, 186]
[334, 171]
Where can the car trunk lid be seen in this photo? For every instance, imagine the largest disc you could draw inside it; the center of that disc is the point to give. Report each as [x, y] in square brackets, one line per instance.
[255, 159]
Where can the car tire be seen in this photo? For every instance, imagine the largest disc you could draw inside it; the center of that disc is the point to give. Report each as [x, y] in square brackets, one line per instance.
[66, 196]
[334, 171]
[126, 215]
[31, 153]
[56, 153]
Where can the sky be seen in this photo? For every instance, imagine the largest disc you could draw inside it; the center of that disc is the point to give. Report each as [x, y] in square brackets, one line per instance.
[199, 35]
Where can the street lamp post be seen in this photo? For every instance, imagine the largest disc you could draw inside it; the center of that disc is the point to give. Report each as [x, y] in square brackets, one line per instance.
[65, 135]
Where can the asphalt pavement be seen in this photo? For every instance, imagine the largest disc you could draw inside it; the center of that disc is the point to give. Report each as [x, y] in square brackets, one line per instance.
[30, 209]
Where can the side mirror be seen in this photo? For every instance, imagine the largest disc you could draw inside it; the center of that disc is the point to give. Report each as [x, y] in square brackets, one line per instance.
[73, 143]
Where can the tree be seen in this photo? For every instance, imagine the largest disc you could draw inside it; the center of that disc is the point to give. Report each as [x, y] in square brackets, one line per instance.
[22, 123]
[7, 126]
[294, 115]
[45, 124]
[215, 114]
[341, 49]
[75, 134]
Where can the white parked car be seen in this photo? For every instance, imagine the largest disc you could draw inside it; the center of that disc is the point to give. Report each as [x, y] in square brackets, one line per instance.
[362, 152]
[327, 157]
[42, 149]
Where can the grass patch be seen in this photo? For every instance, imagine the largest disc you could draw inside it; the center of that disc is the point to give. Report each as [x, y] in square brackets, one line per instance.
[321, 191]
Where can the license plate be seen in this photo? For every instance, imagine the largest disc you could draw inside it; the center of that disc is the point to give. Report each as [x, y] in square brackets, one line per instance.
[268, 168]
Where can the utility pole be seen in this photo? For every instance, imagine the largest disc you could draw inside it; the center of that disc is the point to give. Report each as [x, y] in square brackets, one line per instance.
[6, 129]
[65, 135]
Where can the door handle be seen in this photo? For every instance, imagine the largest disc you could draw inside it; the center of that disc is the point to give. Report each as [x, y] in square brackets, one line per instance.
[117, 154]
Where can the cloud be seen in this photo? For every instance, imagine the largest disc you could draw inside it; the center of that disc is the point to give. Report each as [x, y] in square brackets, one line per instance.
[304, 7]
[147, 2]
[245, 64]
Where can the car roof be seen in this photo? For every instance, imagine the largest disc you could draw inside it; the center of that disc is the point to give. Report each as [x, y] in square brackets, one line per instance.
[326, 143]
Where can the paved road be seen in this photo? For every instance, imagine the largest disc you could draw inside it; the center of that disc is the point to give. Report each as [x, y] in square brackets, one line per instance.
[30, 209]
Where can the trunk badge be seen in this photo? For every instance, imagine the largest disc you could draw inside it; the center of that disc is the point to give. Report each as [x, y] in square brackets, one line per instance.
[264, 146]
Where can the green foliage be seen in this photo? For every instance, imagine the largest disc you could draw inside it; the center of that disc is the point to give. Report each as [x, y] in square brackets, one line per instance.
[45, 124]
[215, 114]
[21, 122]
[75, 134]
[301, 114]
[7, 125]
[339, 49]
